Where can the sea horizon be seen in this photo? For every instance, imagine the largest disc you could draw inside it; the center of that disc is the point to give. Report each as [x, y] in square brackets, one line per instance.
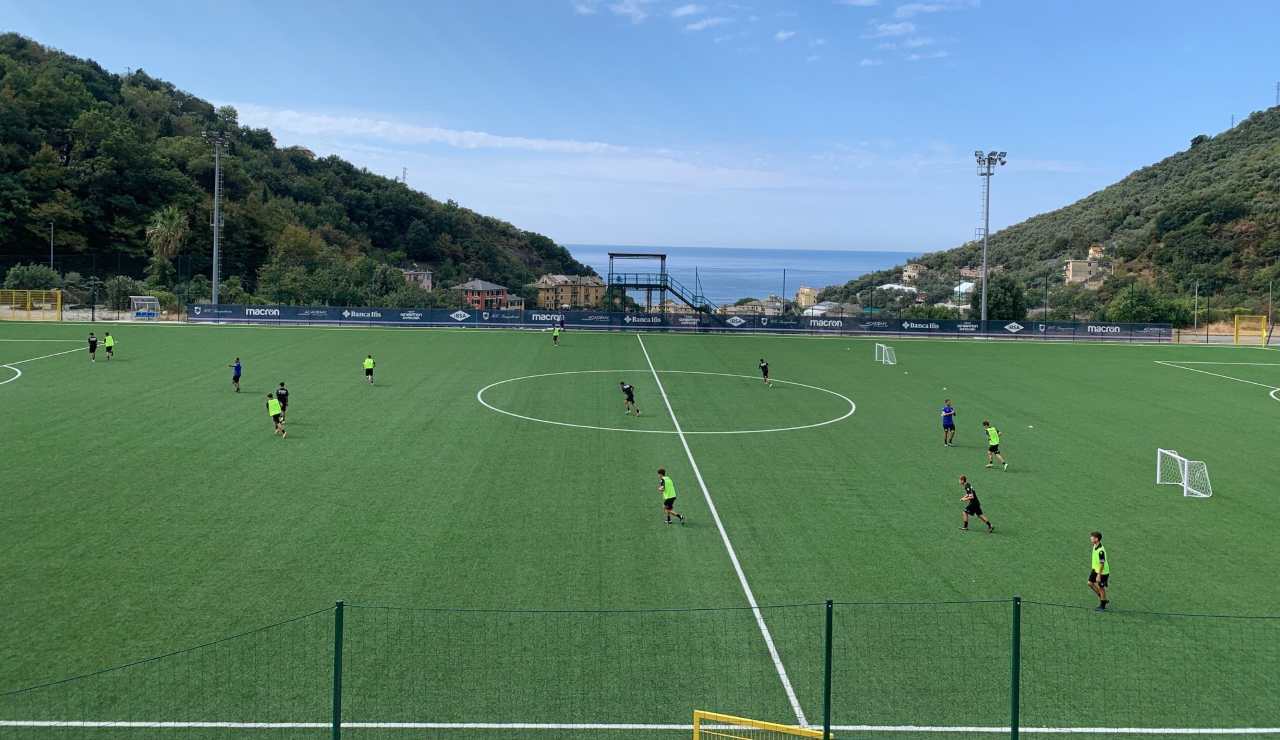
[728, 274]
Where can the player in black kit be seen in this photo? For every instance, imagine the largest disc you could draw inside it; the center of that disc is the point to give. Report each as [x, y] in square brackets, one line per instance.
[972, 507]
[764, 372]
[282, 395]
[629, 404]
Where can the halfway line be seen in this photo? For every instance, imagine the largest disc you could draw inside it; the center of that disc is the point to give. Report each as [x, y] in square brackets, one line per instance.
[724, 536]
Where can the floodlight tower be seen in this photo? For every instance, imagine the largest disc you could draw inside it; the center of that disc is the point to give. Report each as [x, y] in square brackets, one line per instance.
[986, 167]
[219, 140]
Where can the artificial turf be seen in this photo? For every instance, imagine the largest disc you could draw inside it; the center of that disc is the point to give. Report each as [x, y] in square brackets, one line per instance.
[148, 508]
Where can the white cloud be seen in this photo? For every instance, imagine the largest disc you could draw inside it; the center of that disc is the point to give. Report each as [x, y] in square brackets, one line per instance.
[367, 127]
[685, 10]
[585, 7]
[870, 62]
[931, 55]
[783, 35]
[706, 23]
[881, 30]
[939, 6]
[631, 9]
[886, 45]
[812, 58]
[858, 3]
[753, 18]
[818, 42]
[916, 42]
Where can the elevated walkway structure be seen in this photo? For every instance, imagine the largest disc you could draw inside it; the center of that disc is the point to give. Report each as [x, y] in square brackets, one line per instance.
[650, 282]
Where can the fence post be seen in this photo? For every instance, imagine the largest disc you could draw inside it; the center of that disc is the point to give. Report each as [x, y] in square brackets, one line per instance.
[826, 679]
[337, 670]
[1015, 668]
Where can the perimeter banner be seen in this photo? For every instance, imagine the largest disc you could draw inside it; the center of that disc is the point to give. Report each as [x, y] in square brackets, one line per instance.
[577, 319]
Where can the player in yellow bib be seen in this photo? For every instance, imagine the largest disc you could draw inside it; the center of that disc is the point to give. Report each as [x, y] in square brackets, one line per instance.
[993, 444]
[667, 488]
[368, 369]
[109, 342]
[276, 413]
[555, 336]
[1099, 571]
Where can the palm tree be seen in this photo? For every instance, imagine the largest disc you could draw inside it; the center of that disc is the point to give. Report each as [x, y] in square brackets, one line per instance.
[165, 234]
[167, 231]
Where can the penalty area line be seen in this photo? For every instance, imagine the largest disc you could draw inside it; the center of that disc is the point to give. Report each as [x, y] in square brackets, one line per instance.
[728, 546]
[1216, 375]
[18, 373]
[981, 729]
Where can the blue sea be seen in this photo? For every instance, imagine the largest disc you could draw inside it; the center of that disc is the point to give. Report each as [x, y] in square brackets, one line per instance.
[729, 273]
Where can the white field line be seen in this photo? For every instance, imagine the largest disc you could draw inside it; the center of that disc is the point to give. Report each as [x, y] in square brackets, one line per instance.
[18, 373]
[41, 340]
[728, 546]
[1216, 375]
[1208, 362]
[983, 729]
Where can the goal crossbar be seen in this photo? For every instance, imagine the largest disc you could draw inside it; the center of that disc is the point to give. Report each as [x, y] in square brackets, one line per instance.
[885, 354]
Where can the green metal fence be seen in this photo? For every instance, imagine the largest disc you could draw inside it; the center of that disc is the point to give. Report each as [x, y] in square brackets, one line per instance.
[936, 670]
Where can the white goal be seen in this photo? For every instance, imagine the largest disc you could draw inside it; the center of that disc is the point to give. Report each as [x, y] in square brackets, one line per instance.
[885, 355]
[1175, 470]
[144, 307]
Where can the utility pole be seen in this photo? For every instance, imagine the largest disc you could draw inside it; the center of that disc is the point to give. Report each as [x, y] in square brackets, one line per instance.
[218, 139]
[1195, 309]
[50, 245]
[986, 165]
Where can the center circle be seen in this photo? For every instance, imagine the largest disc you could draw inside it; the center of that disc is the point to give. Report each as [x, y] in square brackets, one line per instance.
[480, 397]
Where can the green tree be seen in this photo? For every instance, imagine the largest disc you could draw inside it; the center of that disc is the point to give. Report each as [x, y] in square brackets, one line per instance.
[1005, 300]
[117, 290]
[31, 277]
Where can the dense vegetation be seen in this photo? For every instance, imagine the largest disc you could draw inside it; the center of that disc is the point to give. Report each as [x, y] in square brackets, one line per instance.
[117, 165]
[1207, 216]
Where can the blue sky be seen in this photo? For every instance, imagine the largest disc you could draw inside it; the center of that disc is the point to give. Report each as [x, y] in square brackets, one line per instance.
[832, 124]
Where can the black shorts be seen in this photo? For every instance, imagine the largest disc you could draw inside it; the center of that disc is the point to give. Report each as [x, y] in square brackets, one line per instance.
[993, 449]
[1100, 579]
[235, 378]
[276, 417]
[669, 504]
[631, 399]
[284, 406]
[368, 371]
[93, 348]
[110, 350]
[948, 427]
[973, 510]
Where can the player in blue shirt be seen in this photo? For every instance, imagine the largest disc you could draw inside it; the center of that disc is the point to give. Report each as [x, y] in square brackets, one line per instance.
[235, 374]
[948, 424]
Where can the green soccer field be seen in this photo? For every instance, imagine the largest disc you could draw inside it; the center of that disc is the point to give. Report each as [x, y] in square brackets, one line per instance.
[504, 558]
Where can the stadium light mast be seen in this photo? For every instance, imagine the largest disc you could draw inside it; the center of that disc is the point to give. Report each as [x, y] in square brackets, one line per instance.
[218, 139]
[986, 167]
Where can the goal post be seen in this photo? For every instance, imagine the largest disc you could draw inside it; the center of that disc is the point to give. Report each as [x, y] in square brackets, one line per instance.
[1192, 476]
[716, 726]
[885, 354]
[1252, 329]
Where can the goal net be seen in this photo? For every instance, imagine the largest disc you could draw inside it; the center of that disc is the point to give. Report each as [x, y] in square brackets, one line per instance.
[885, 355]
[714, 726]
[1251, 330]
[144, 307]
[1191, 475]
[31, 305]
